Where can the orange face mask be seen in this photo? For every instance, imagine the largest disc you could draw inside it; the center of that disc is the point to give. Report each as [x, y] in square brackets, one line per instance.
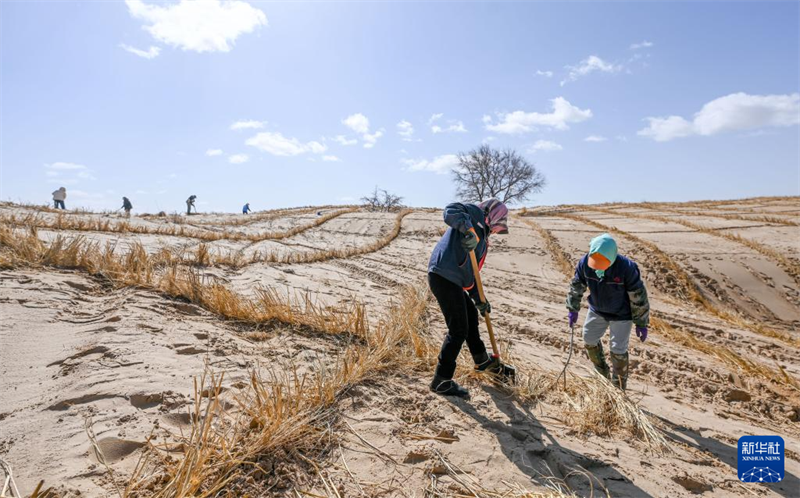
[598, 262]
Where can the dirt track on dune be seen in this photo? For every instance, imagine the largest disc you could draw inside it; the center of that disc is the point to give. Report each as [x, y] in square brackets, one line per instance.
[76, 347]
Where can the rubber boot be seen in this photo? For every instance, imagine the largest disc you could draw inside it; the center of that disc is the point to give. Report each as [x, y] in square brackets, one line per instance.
[598, 358]
[448, 387]
[619, 366]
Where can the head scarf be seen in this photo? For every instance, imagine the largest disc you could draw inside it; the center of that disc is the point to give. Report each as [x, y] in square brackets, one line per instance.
[496, 214]
[605, 246]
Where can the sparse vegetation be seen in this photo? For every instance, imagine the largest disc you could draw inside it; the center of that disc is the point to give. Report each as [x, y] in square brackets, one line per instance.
[486, 173]
[381, 200]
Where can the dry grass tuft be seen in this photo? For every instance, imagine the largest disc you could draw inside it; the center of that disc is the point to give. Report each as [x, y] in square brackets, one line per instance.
[282, 419]
[137, 268]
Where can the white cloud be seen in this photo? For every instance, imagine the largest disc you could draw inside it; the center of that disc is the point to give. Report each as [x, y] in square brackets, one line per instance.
[245, 125]
[435, 117]
[440, 165]
[589, 65]
[486, 119]
[453, 126]
[278, 145]
[405, 130]
[595, 138]
[644, 44]
[734, 112]
[331, 159]
[214, 152]
[198, 25]
[522, 122]
[316, 147]
[546, 74]
[150, 53]
[344, 140]
[360, 124]
[544, 145]
[370, 139]
[238, 158]
[357, 122]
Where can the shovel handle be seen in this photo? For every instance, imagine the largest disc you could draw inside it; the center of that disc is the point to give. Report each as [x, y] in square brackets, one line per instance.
[477, 274]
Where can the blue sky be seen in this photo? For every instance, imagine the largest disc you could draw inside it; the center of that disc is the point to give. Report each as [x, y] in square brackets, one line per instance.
[681, 100]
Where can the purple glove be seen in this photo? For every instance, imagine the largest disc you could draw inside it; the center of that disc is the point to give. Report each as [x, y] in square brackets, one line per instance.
[641, 333]
[573, 317]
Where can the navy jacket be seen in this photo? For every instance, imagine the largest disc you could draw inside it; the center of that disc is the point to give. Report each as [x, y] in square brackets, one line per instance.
[449, 259]
[610, 297]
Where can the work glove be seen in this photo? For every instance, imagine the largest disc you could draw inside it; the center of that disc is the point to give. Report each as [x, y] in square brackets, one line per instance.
[484, 307]
[470, 240]
[641, 333]
[573, 318]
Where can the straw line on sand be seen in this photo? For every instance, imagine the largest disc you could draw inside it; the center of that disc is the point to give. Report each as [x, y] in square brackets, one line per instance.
[62, 222]
[790, 265]
[689, 289]
[677, 334]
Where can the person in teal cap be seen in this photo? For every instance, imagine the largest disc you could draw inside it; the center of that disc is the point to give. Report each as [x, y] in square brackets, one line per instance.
[617, 300]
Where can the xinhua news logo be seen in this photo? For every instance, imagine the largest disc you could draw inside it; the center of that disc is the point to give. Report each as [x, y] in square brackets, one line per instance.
[761, 459]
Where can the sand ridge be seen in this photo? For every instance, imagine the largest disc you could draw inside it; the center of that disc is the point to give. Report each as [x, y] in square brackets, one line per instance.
[74, 348]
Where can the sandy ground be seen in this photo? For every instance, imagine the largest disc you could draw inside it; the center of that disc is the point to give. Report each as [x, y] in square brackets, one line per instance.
[75, 351]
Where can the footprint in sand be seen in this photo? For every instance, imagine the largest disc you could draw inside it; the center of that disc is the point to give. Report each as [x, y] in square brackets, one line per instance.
[143, 400]
[112, 449]
[178, 419]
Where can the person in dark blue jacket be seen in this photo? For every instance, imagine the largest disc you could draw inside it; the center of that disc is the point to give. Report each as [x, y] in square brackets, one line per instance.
[452, 282]
[246, 208]
[617, 299]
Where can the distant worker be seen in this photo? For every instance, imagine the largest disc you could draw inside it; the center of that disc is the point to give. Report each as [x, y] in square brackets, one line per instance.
[190, 204]
[246, 208]
[617, 299]
[59, 196]
[127, 206]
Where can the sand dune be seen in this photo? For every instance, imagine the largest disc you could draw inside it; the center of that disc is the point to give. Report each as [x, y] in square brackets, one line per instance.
[97, 373]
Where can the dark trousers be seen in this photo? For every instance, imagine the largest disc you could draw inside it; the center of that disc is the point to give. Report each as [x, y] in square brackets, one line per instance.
[59, 204]
[461, 317]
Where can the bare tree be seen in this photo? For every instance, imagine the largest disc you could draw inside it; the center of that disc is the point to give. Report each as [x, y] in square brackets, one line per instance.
[484, 173]
[372, 201]
[381, 200]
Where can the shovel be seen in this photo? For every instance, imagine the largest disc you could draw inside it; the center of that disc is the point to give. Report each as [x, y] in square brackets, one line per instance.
[507, 371]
